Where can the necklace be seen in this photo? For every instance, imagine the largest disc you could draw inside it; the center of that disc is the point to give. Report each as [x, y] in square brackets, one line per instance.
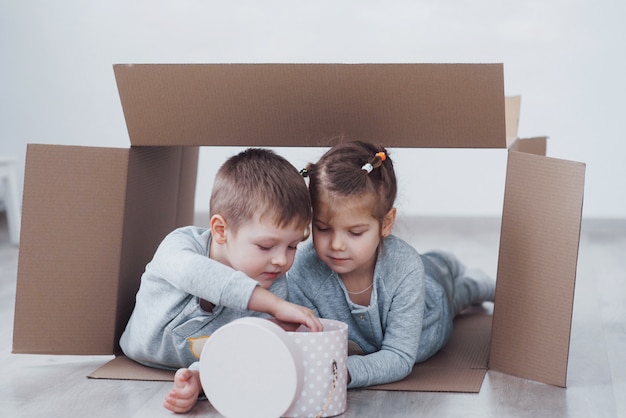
[361, 291]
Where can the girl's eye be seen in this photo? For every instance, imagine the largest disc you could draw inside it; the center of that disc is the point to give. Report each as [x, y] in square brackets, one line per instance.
[321, 228]
[356, 234]
[263, 248]
[293, 247]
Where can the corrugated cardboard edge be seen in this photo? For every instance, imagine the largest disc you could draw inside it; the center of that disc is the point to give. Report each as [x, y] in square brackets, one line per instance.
[512, 106]
[537, 267]
[537, 145]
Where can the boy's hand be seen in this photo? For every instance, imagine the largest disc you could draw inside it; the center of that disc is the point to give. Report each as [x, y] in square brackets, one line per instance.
[184, 395]
[287, 326]
[262, 300]
[287, 312]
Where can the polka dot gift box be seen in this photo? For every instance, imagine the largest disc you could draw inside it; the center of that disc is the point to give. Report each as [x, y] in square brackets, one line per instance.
[253, 368]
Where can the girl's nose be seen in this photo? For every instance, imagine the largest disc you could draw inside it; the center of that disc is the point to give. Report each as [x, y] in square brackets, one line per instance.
[336, 243]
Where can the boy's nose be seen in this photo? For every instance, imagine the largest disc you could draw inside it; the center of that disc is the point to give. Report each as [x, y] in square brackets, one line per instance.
[279, 259]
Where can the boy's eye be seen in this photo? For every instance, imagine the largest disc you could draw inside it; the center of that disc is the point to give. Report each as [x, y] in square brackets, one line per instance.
[321, 228]
[356, 234]
[263, 248]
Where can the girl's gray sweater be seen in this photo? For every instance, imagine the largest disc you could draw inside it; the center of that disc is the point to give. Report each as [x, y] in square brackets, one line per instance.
[407, 320]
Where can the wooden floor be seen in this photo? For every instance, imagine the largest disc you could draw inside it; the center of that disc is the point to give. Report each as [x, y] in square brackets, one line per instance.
[56, 386]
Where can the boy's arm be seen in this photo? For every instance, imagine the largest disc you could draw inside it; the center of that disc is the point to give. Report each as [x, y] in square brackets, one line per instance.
[182, 261]
[262, 300]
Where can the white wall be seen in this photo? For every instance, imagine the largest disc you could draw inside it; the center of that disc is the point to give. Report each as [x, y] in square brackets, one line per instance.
[566, 58]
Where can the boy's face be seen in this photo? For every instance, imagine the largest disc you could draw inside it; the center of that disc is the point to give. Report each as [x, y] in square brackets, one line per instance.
[261, 249]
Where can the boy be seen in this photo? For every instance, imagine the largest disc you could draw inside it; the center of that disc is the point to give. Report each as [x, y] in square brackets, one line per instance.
[200, 279]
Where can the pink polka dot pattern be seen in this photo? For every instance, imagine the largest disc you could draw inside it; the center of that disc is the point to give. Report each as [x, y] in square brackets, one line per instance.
[324, 356]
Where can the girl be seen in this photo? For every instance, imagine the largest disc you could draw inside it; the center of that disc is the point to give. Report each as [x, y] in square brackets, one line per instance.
[398, 304]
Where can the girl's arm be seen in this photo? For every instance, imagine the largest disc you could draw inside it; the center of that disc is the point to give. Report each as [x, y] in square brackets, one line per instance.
[396, 357]
[396, 324]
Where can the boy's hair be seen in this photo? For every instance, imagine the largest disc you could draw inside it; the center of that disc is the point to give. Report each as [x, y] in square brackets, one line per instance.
[340, 171]
[258, 182]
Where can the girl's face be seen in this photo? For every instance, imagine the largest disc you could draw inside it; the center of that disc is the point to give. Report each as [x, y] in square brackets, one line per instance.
[346, 235]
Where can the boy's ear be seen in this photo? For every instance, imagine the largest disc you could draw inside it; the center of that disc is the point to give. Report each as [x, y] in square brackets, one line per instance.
[218, 228]
[388, 222]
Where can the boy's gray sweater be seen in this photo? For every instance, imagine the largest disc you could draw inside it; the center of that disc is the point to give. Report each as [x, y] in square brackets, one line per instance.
[167, 314]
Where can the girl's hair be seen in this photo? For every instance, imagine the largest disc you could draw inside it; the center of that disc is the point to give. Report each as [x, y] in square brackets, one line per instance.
[258, 182]
[342, 172]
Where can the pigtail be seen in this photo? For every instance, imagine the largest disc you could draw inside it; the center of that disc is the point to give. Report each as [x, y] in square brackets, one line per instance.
[374, 162]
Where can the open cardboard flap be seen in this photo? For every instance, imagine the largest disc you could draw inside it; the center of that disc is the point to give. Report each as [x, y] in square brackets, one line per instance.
[93, 217]
[537, 267]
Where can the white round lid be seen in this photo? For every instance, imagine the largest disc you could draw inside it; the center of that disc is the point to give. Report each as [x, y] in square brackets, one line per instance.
[251, 368]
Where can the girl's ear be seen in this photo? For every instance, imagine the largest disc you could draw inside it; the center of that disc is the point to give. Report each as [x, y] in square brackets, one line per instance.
[388, 222]
[218, 229]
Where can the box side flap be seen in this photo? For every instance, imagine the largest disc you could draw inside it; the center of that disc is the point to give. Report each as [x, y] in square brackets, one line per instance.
[155, 207]
[400, 105]
[537, 146]
[69, 257]
[512, 112]
[537, 267]
[187, 189]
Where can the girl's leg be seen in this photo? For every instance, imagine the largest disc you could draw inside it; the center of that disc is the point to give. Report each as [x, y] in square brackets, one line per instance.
[464, 286]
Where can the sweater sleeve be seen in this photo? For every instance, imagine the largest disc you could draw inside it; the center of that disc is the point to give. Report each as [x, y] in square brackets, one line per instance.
[183, 260]
[401, 322]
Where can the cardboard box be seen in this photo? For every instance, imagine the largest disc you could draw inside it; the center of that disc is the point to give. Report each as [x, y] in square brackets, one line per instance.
[92, 217]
